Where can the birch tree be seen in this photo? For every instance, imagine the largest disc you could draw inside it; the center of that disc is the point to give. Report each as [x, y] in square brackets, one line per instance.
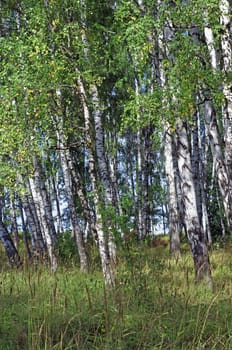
[43, 211]
[194, 231]
[222, 171]
[11, 251]
[102, 239]
[226, 47]
[65, 163]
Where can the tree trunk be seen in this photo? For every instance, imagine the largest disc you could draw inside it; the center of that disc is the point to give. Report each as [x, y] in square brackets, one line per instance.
[173, 212]
[43, 211]
[65, 160]
[203, 151]
[54, 179]
[14, 225]
[11, 251]
[226, 46]
[37, 241]
[74, 220]
[194, 231]
[173, 215]
[113, 165]
[218, 159]
[107, 268]
[141, 214]
[195, 161]
[24, 229]
[104, 174]
[223, 165]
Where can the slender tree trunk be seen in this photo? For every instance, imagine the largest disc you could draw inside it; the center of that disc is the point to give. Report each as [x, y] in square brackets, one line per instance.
[37, 241]
[107, 269]
[14, 225]
[54, 185]
[179, 195]
[195, 161]
[194, 231]
[173, 215]
[148, 166]
[65, 160]
[218, 159]
[101, 167]
[11, 251]
[74, 220]
[139, 171]
[130, 160]
[226, 46]
[112, 156]
[222, 170]
[76, 177]
[104, 173]
[24, 229]
[43, 211]
[203, 184]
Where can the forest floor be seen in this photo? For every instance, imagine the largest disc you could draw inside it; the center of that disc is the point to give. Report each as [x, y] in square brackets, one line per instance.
[155, 304]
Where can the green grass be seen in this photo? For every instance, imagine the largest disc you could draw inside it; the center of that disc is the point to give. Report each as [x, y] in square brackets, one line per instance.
[155, 305]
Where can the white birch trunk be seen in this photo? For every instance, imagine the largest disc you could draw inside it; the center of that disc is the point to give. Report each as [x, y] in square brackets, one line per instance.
[103, 171]
[74, 220]
[226, 46]
[41, 210]
[173, 215]
[221, 162]
[65, 158]
[139, 173]
[195, 161]
[194, 231]
[36, 236]
[202, 172]
[11, 251]
[113, 169]
[54, 179]
[76, 177]
[107, 269]
[14, 225]
[148, 178]
[24, 229]
[218, 159]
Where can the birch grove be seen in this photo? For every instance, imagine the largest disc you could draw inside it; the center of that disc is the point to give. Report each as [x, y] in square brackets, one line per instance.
[115, 119]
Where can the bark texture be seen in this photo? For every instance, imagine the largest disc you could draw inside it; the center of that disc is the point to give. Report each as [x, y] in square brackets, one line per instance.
[194, 231]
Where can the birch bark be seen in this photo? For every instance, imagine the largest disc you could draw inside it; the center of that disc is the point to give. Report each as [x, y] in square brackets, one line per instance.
[218, 159]
[65, 160]
[32, 221]
[26, 239]
[173, 215]
[194, 231]
[43, 211]
[195, 161]
[104, 172]
[222, 170]
[101, 166]
[226, 46]
[107, 268]
[11, 251]
[139, 173]
[14, 225]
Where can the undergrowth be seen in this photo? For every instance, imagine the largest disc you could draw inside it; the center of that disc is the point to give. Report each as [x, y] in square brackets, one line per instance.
[155, 305]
